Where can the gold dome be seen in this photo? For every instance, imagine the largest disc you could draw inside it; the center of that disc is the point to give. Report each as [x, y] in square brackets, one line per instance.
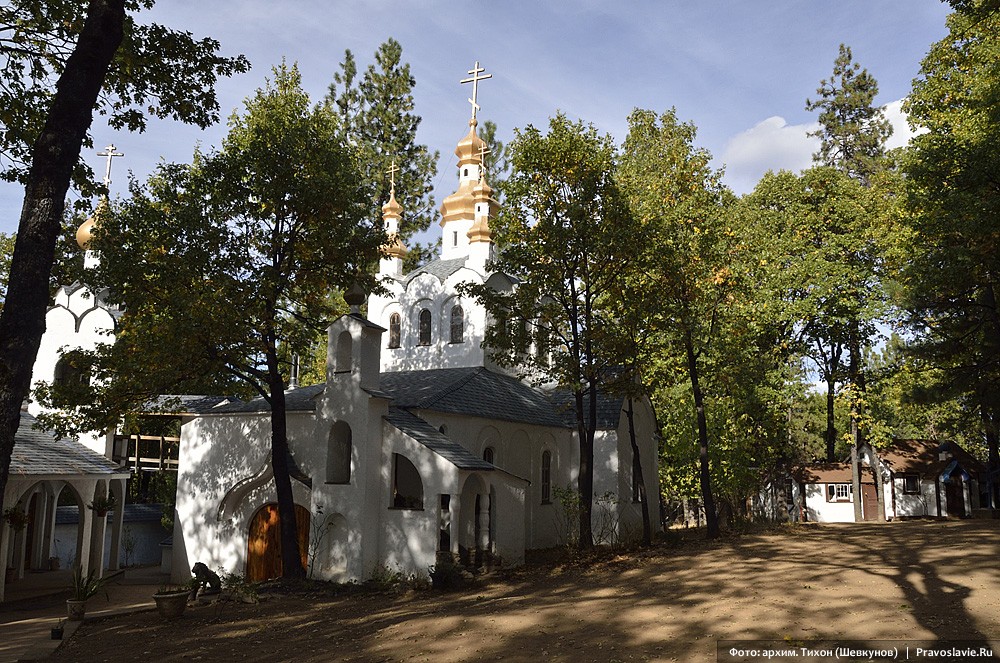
[85, 233]
[470, 147]
[86, 230]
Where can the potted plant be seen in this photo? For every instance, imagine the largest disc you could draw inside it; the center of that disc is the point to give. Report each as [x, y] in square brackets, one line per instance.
[101, 505]
[16, 518]
[82, 588]
[171, 600]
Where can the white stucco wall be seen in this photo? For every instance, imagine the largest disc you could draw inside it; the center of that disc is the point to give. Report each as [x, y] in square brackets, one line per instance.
[818, 510]
[916, 505]
[76, 320]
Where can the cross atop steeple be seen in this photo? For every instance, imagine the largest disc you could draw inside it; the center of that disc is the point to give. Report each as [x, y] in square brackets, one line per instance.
[393, 169]
[110, 154]
[474, 79]
[483, 151]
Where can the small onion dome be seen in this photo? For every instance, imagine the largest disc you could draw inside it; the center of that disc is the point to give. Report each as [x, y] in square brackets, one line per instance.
[86, 230]
[395, 247]
[392, 208]
[85, 233]
[355, 297]
[470, 147]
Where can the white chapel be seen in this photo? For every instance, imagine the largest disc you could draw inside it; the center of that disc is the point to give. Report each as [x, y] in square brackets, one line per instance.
[416, 446]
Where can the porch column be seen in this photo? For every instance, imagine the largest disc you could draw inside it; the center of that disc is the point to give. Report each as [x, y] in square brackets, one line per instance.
[83, 537]
[97, 536]
[117, 488]
[50, 523]
[454, 510]
[484, 522]
[4, 552]
[39, 560]
[20, 547]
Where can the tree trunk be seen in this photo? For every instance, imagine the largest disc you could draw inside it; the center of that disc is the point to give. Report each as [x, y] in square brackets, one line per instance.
[993, 449]
[879, 486]
[856, 377]
[585, 482]
[291, 556]
[54, 155]
[647, 530]
[831, 427]
[711, 517]
[856, 477]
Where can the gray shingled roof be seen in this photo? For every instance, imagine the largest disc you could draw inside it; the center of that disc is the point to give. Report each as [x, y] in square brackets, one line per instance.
[475, 392]
[433, 439]
[442, 269]
[609, 408]
[40, 453]
[302, 399]
[472, 391]
[185, 403]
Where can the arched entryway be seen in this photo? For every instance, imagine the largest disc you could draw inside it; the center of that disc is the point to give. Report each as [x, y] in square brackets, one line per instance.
[474, 526]
[264, 542]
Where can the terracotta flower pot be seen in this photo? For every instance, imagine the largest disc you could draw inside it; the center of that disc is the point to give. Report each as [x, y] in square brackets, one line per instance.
[172, 604]
[75, 610]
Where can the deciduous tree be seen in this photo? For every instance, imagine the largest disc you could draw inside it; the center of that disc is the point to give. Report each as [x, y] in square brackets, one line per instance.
[61, 62]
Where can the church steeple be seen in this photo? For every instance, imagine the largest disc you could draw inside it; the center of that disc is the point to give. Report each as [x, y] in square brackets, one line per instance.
[461, 211]
[392, 264]
[86, 230]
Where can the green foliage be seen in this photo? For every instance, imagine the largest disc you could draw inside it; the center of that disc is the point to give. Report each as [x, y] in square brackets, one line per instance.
[16, 518]
[949, 257]
[156, 72]
[562, 235]
[84, 587]
[240, 249]
[568, 515]
[853, 131]
[376, 112]
[163, 488]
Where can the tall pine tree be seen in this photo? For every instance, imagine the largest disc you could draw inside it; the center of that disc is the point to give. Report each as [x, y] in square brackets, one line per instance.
[376, 112]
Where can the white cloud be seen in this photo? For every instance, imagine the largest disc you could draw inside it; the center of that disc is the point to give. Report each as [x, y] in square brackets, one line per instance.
[772, 144]
[901, 133]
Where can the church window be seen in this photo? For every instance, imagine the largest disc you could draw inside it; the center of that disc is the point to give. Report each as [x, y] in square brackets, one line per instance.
[67, 373]
[407, 488]
[457, 324]
[454, 238]
[546, 477]
[338, 457]
[424, 327]
[465, 172]
[488, 455]
[343, 356]
[395, 326]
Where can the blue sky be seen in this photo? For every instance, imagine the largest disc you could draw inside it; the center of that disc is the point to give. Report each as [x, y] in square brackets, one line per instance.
[739, 70]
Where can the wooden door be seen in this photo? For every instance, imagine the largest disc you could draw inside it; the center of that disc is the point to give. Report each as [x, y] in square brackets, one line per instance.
[264, 542]
[869, 502]
[955, 494]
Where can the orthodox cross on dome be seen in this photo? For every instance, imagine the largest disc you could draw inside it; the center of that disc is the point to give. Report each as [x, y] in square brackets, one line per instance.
[483, 151]
[474, 79]
[393, 169]
[110, 153]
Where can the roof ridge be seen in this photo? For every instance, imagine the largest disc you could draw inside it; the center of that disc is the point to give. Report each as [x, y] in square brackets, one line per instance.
[452, 388]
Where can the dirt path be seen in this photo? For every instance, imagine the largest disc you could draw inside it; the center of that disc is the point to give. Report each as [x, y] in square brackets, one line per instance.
[915, 581]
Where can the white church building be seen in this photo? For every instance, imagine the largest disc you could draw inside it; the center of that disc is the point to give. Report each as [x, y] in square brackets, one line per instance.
[417, 446]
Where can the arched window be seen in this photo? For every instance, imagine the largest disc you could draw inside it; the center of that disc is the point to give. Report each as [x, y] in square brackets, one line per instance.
[395, 327]
[457, 324]
[424, 327]
[344, 344]
[489, 455]
[546, 477]
[67, 373]
[338, 454]
[407, 488]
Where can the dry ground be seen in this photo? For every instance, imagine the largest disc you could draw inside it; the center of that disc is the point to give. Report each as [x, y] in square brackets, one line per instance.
[913, 580]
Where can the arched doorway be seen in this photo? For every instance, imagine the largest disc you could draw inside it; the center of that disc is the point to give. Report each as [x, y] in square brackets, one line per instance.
[264, 542]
